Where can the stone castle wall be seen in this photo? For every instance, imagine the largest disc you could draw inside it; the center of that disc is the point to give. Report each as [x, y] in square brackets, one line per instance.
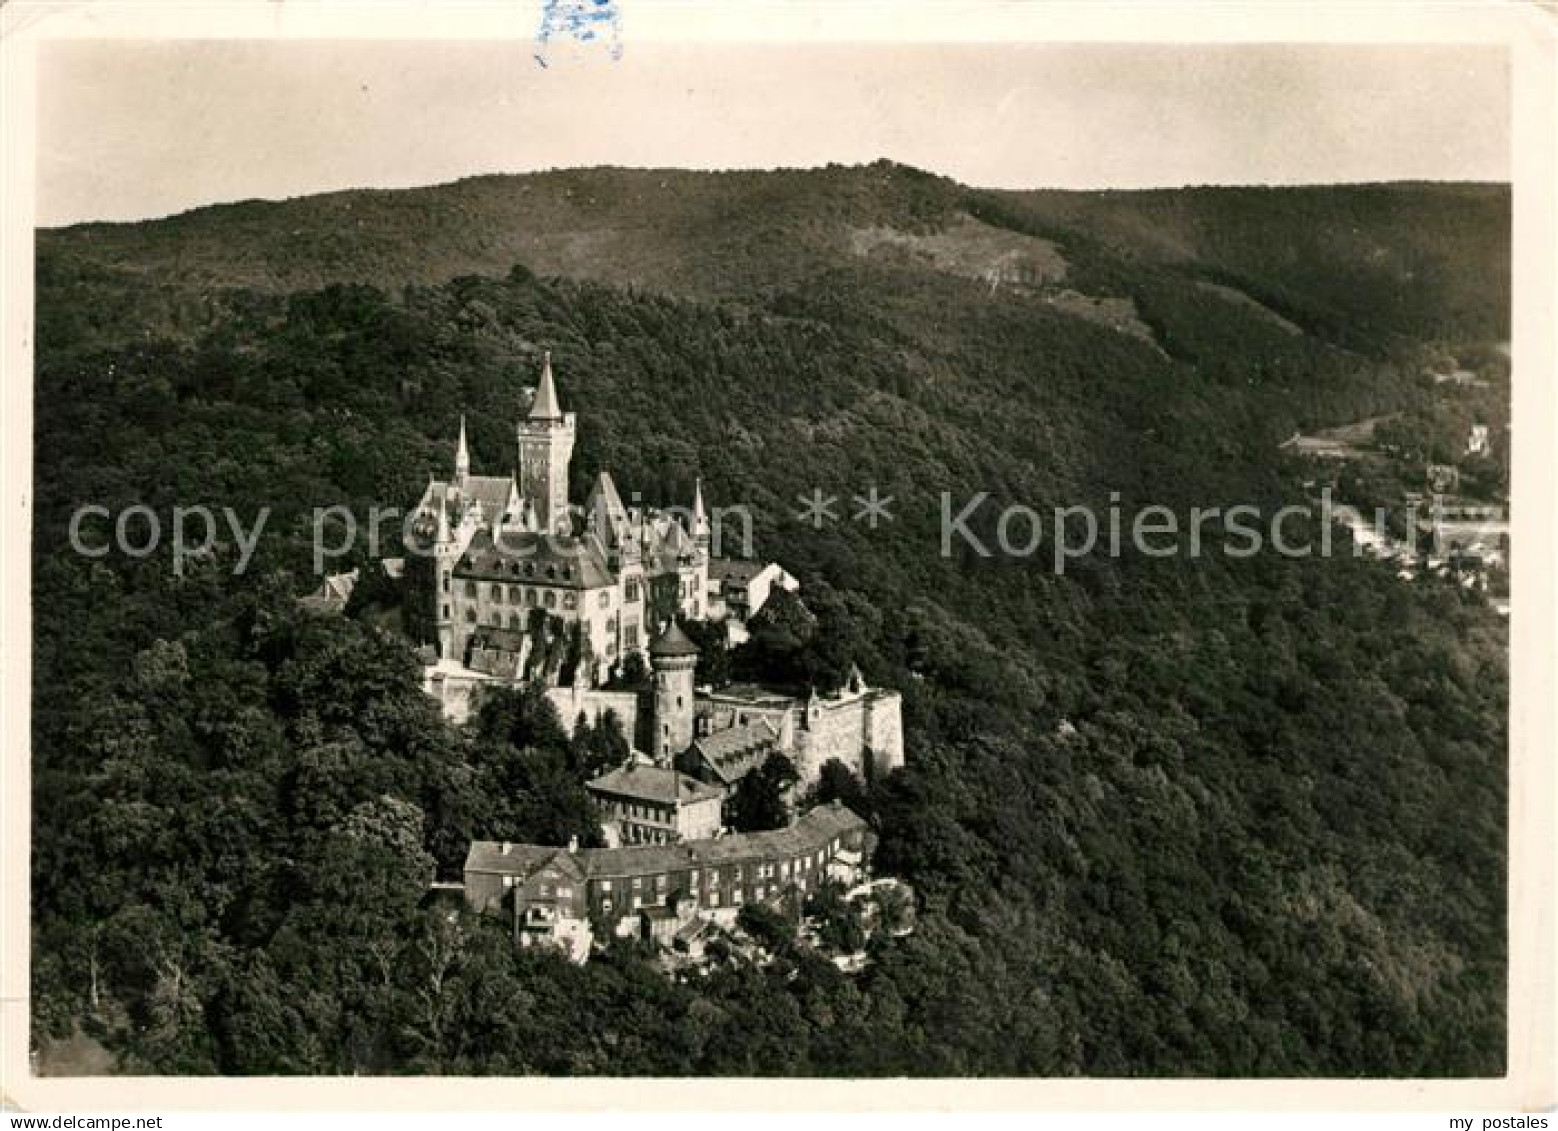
[884, 730]
[870, 725]
[570, 701]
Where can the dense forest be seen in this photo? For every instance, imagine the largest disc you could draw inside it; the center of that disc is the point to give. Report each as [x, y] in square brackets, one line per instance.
[1220, 816]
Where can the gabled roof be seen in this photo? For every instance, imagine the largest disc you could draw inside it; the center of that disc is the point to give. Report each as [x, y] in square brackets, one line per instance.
[495, 493]
[654, 783]
[603, 508]
[735, 570]
[733, 753]
[508, 859]
[605, 492]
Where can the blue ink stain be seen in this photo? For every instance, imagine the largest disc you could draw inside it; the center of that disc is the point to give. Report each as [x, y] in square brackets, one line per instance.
[584, 21]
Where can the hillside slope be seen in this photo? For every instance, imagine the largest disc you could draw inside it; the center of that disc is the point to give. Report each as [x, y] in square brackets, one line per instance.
[1359, 263]
[1168, 816]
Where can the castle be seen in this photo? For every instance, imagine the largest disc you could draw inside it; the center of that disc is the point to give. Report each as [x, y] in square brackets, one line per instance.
[507, 584]
[504, 582]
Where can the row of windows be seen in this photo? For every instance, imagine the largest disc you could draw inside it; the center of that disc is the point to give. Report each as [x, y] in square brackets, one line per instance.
[642, 834]
[733, 899]
[528, 569]
[640, 811]
[515, 595]
[739, 873]
[531, 597]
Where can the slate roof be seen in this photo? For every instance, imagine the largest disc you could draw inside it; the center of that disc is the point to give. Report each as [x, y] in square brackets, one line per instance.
[519, 860]
[654, 783]
[808, 834]
[813, 830]
[605, 500]
[734, 571]
[733, 753]
[673, 642]
[558, 560]
[493, 492]
[332, 595]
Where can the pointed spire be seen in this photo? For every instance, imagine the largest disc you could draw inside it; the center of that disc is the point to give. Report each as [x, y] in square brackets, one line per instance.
[545, 406]
[462, 454]
[700, 521]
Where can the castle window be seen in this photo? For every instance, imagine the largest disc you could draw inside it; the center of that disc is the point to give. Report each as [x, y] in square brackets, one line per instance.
[605, 598]
[530, 597]
[551, 599]
[632, 589]
[446, 612]
[514, 594]
[470, 616]
[470, 589]
[446, 583]
[514, 621]
[497, 593]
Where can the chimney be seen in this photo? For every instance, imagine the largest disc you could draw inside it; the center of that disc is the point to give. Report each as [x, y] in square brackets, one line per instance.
[573, 845]
[505, 849]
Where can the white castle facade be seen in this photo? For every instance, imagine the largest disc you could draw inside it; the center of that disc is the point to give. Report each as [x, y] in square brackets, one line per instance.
[509, 584]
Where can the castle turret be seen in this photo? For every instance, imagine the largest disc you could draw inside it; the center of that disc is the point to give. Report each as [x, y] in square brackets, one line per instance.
[674, 659]
[700, 520]
[545, 447]
[462, 457]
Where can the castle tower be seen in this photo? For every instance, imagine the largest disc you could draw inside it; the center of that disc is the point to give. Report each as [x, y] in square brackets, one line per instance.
[545, 447]
[674, 659]
[462, 457]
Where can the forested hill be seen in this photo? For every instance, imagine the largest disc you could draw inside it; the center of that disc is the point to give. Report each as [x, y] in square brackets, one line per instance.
[1222, 815]
[1428, 260]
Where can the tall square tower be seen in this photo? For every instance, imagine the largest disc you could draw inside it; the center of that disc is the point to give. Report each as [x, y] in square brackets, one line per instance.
[545, 446]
